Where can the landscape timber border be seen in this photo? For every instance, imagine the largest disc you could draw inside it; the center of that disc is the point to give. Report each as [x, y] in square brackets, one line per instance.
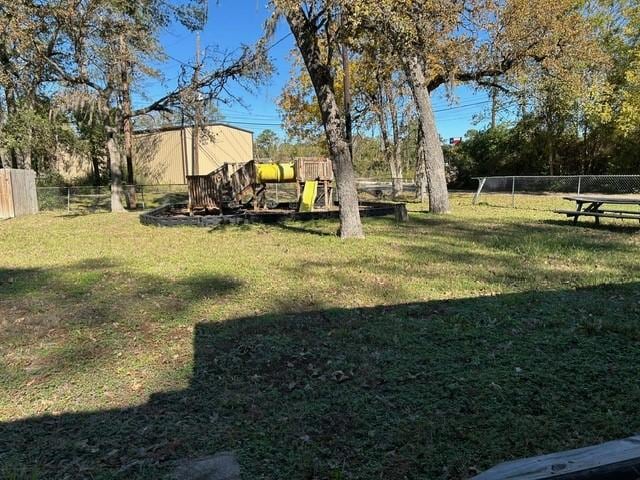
[161, 217]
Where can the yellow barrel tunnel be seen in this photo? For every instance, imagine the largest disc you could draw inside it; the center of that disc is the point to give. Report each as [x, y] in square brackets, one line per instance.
[275, 172]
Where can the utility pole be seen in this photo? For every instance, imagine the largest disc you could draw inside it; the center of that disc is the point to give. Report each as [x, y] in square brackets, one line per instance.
[195, 136]
[347, 99]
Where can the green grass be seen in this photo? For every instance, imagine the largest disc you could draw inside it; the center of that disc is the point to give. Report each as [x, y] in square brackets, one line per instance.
[431, 349]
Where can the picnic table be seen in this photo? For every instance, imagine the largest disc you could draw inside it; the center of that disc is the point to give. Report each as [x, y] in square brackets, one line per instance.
[600, 206]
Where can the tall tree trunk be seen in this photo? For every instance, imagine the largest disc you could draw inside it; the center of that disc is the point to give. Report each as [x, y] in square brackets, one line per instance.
[438, 194]
[421, 170]
[26, 163]
[390, 143]
[115, 161]
[9, 96]
[127, 127]
[26, 152]
[95, 162]
[396, 157]
[386, 147]
[306, 35]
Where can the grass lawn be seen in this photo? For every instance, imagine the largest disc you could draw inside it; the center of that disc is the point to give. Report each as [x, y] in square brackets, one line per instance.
[429, 350]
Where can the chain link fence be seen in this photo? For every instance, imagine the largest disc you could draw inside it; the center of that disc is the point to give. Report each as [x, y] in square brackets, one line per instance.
[90, 199]
[546, 192]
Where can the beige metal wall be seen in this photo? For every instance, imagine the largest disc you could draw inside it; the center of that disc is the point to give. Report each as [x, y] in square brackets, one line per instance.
[159, 157]
[73, 167]
[164, 157]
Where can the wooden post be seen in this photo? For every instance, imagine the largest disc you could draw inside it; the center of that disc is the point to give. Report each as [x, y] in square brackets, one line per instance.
[619, 459]
[400, 211]
[326, 194]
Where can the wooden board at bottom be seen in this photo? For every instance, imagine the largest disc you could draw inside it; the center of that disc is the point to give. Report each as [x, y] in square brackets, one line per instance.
[618, 459]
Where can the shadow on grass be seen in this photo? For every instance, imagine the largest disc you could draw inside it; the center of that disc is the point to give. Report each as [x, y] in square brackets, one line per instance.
[612, 225]
[303, 227]
[427, 390]
[481, 256]
[74, 316]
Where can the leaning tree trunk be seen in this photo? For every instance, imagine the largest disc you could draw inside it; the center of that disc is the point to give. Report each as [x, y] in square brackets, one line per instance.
[115, 165]
[306, 34]
[436, 177]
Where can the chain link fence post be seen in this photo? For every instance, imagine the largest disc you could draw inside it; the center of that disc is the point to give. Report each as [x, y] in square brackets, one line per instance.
[68, 200]
[579, 183]
[513, 192]
[476, 197]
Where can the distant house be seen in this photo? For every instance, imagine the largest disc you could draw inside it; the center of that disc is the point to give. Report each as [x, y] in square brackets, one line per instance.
[164, 155]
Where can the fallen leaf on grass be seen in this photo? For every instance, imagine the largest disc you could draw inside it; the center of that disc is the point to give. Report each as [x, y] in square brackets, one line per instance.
[339, 376]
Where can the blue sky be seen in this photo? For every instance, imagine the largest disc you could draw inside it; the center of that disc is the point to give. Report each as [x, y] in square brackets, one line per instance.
[234, 22]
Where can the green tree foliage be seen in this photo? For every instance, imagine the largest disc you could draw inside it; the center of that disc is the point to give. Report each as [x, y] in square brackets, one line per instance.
[267, 144]
[31, 128]
[580, 115]
[77, 64]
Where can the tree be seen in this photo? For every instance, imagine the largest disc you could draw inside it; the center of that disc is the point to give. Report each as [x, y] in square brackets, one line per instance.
[267, 144]
[379, 100]
[309, 21]
[442, 42]
[90, 53]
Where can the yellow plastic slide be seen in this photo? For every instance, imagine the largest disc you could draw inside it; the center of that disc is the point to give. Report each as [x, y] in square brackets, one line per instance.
[308, 196]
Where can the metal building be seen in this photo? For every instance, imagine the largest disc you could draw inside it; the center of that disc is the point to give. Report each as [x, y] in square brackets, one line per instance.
[165, 155]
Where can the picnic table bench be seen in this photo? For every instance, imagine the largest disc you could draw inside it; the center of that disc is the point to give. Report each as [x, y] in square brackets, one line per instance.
[598, 207]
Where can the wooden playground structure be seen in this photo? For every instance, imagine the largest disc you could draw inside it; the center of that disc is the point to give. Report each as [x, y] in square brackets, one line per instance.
[236, 194]
[234, 186]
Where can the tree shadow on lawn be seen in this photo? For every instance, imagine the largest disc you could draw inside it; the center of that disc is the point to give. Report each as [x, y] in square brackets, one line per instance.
[76, 316]
[610, 224]
[427, 390]
[477, 256]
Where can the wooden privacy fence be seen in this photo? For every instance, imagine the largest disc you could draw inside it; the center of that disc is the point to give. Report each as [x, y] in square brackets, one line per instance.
[17, 192]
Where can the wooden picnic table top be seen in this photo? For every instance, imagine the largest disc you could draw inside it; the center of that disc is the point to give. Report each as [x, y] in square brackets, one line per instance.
[604, 199]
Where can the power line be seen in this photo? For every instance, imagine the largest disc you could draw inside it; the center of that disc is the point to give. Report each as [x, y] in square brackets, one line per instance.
[186, 64]
[462, 106]
[252, 123]
[242, 116]
[278, 42]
